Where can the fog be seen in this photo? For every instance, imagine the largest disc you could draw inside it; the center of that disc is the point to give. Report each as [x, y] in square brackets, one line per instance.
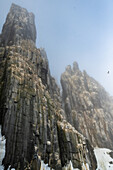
[73, 30]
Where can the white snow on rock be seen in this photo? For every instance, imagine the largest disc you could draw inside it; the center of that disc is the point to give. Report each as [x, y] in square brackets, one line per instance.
[104, 161]
[70, 167]
[85, 166]
[44, 166]
[10, 168]
[2, 149]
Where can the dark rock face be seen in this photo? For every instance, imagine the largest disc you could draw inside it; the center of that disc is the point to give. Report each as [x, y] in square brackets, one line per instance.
[19, 25]
[111, 154]
[31, 114]
[26, 108]
[88, 107]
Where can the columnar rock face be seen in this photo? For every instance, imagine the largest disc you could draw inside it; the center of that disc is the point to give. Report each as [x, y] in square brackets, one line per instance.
[88, 106]
[30, 104]
[19, 25]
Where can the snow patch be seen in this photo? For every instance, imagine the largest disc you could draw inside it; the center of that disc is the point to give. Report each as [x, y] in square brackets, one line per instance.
[70, 167]
[85, 166]
[10, 168]
[104, 161]
[2, 149]
[44, 166]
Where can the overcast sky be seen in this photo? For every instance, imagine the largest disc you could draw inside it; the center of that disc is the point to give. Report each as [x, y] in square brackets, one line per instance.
[73, 30]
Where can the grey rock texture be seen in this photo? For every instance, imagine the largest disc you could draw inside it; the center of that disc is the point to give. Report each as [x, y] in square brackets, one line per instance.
[31, 114]
[88, 106]
[19, 25]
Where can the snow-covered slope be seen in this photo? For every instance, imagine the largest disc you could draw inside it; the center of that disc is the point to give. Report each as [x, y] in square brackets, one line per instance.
[104, 160]
[2, 150]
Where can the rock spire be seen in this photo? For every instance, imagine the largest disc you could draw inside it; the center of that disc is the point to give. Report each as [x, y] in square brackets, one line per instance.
[19, 25]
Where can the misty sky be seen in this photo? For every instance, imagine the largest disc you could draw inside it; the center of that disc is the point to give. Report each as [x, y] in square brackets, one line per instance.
[73, 30]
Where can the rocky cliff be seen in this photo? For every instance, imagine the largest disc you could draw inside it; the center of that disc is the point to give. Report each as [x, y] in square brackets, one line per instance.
[31, 115]
[88, 106]
[19, 26]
